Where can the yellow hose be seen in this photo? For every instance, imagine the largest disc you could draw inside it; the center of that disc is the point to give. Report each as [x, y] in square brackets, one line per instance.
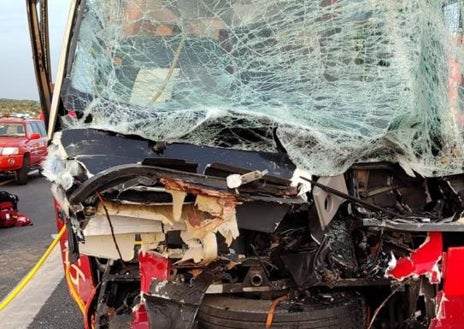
[32, 272]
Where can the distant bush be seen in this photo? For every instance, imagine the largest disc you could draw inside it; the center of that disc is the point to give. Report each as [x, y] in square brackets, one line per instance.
[20, 107]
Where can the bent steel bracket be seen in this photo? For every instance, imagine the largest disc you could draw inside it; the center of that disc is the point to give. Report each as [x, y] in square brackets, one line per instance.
[174, 305]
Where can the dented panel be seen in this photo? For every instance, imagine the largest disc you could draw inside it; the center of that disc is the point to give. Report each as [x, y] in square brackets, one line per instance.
[423, 261]
[450, 300]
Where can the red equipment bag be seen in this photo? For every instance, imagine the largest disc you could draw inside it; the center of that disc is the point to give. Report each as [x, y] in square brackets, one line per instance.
[9, 215]
[22, 220]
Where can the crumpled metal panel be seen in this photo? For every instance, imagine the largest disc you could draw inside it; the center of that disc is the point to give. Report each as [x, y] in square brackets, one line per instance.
[423, 261]
[174, 305]
[450, 301]
[152, 265]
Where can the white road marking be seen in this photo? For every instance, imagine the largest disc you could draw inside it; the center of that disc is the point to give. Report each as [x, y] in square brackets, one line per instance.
[20, 313]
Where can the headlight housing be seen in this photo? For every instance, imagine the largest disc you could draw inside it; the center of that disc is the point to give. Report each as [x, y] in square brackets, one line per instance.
[10, 150]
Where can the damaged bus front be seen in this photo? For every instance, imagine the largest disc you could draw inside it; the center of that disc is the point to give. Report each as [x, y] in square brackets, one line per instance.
[239, 163]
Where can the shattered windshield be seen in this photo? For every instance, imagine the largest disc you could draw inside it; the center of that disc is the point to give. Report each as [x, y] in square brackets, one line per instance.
[330, 82]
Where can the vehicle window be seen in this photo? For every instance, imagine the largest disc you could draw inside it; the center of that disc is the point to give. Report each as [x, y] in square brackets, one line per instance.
[42, 129]
[39, 128]
[30, 128]
[33, 128]
[343, 85]
[12, 129]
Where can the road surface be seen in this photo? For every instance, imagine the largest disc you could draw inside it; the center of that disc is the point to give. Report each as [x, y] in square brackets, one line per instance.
[45, 303]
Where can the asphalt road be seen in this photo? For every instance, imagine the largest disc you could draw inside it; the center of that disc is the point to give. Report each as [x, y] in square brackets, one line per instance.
[21, 248]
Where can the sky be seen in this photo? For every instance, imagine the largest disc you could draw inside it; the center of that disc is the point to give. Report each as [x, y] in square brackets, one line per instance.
[17, 79]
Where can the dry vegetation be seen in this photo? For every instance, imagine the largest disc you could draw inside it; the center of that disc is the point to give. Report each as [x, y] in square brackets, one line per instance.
[19, 107]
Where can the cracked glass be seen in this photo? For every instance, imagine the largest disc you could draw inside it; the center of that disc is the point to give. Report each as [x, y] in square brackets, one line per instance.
[330, 82]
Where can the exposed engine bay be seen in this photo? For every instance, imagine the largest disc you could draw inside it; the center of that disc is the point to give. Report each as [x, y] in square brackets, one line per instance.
[167, 234]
